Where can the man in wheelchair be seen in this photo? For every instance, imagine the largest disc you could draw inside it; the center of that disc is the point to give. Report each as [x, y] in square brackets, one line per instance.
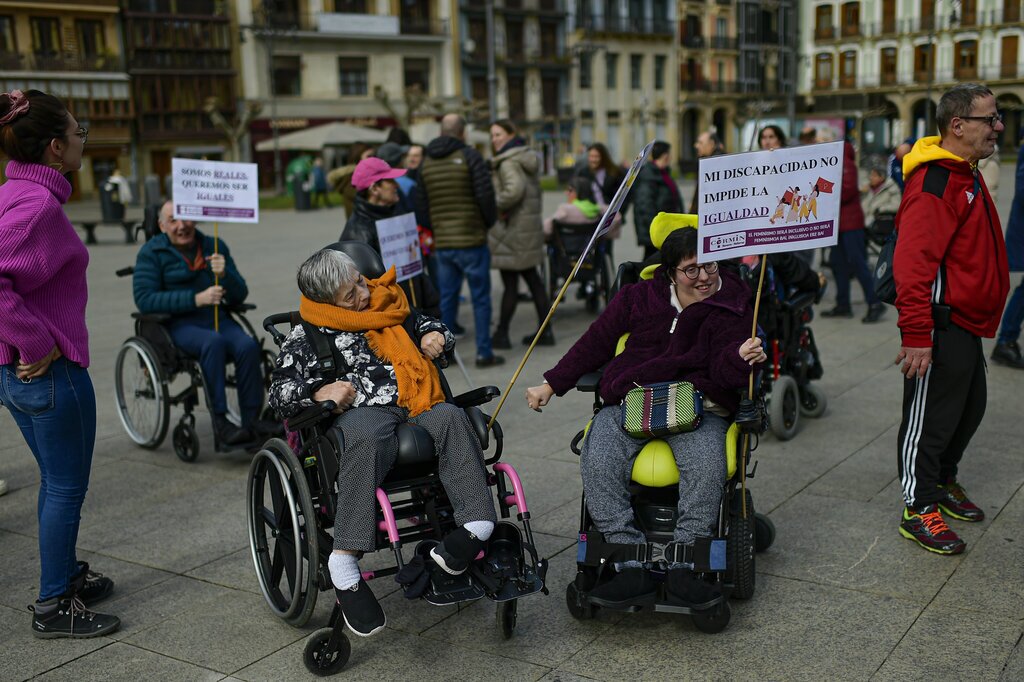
[382, 375]
[174, 274]
[688, 322]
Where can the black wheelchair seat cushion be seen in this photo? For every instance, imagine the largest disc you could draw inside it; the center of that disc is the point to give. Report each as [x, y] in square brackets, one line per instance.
[416, 456]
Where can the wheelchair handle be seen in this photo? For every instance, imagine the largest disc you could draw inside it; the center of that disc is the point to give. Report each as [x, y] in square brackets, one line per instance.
[271, 322]
[124, 272]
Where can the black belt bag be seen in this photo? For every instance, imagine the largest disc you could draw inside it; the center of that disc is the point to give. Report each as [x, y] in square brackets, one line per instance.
[942, 316]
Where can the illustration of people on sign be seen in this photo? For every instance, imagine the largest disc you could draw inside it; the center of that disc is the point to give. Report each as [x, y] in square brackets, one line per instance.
[811, 205]
[780, 209]
[794, 206]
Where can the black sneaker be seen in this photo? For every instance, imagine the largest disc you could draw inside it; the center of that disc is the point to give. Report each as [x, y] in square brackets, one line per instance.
[629, 587]
[361, 610]
[838, 312]
[546, 339]
[70, 618]
[955, 503]
[228, 433]
[1008, 355]
[91, 587]
[500, 340]
[875, 313]
[492, 361]
[927, 528]
[456, 551]
[685, 586]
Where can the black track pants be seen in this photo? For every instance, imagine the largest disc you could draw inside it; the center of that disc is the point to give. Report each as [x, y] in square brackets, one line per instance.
[941, 412]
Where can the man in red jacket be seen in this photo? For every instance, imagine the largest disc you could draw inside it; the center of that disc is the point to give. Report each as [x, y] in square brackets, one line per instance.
[951, 282]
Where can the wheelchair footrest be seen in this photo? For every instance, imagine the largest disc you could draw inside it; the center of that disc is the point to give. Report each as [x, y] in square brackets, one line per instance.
[446, 589]
[705, 554]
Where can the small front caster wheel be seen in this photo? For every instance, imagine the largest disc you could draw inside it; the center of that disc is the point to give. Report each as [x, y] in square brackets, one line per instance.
[186, 442]
[506, 618]
[326, 652]
[579, 607]
[714, 619]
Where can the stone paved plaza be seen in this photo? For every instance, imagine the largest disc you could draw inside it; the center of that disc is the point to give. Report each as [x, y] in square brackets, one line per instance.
[840, 595]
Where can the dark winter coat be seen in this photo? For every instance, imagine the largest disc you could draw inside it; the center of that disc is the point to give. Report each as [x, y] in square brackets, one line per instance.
[163, 283]
[702, 348]
[851, 214]
[1015, 225]
[362, 227]
[652, 196]
[455, 196]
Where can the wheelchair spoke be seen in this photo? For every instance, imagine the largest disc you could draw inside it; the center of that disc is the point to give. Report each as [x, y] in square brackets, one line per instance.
[279, 501]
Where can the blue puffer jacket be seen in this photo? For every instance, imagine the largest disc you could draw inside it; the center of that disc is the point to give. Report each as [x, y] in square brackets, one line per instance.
[163, 282]
[1015, 225]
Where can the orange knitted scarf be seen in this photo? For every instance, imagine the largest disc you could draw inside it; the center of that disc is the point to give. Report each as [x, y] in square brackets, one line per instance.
[419, 387]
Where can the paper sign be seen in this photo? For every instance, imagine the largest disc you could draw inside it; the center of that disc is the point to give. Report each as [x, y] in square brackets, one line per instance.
[620, 194]
[769, 201]
[215, 190]
[400, 245]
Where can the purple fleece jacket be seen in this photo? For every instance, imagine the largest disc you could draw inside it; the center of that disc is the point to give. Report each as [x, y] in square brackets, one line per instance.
[43, 290]
[703, 348]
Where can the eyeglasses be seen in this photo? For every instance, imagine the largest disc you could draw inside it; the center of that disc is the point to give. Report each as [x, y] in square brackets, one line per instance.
[83, 133]
[990, 120]
[693, 271]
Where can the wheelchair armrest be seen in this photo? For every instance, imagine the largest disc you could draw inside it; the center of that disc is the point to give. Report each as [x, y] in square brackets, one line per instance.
[589, 382]
[801, 300]
[478, 396]
[241, 307]
[479, 422]
[124, 272]
[310, 415]
[159, 318]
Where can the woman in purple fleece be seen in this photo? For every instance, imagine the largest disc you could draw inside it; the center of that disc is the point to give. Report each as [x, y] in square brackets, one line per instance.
[44, 349]
[688, 322]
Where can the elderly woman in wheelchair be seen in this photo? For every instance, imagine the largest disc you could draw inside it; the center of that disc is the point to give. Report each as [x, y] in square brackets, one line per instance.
[382, 376]
[687, 322]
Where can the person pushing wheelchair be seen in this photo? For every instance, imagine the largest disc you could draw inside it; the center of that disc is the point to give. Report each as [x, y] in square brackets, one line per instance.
[688, 322]
[174, 274]
[384, 375]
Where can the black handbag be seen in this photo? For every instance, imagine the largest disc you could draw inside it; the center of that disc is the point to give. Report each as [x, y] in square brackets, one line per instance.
[885, 283]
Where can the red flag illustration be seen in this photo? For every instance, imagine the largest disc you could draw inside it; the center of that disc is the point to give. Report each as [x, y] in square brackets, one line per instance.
[824, 186]
[787, 197]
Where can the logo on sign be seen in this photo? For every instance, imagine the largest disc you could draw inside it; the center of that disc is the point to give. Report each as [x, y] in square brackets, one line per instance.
[727, 241]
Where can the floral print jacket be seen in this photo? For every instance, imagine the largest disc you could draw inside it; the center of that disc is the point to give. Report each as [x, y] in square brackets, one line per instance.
[298, 375]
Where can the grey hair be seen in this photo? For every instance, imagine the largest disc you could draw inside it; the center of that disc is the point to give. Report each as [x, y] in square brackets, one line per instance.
[879, 168]
[957, 102]
[323, 273]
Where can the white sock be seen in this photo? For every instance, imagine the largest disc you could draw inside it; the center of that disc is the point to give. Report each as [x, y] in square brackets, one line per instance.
[344, 570]
[481, 529]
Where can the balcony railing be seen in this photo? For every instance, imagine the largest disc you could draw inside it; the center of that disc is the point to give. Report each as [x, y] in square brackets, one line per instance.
[708, 86]
[822, 83]
[723, 43]
[194, 7]
[991, 72]
[179, 60]
[625, 25]
[1009, 14]
[369, 25]
[694, 42]
[68, 61]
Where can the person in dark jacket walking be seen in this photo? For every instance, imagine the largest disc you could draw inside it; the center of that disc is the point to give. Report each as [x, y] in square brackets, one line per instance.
[174, 274]
[654, 192]
[849, 255]
[377, 198]
[456, 198]
[688, 322]
[1007, 351]
[708, 144]
[951, 283]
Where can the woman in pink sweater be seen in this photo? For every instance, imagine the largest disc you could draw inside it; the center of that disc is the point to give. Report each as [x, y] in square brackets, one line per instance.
[44, 349]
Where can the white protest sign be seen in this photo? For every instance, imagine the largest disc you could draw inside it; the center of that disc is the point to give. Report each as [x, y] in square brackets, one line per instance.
[770, 201]
[400, 245]
[215, 190]
[620, 194]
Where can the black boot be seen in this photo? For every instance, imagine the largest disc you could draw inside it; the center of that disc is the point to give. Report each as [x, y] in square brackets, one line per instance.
[456, 551]
[546, 339]
[690, 589]
[499, 339]
[1008, 355]
[228, 433]
[89, 586]
[67, 616]
[629, 587]
[875, 312]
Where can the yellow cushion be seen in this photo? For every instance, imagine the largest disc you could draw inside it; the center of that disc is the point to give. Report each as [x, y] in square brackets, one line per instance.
[655, 466]
[666, 223]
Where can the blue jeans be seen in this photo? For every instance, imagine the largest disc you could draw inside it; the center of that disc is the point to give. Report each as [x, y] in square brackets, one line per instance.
[57, 416]
[849, 257]
[213, 350]
[1013, 318]
[474, 265]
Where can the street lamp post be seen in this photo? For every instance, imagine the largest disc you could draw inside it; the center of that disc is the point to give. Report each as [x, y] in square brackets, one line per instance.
[492, 76]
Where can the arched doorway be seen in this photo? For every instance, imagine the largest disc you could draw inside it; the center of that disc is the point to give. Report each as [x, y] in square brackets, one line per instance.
[879, 132]
[718, 120]
[687, 137]
[919, 119]
[1012, 109]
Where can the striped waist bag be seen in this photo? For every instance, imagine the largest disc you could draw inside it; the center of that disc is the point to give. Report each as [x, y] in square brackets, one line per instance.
[662, 409]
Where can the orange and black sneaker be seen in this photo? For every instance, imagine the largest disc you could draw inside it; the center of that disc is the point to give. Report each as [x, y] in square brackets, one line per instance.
[927, 528]
[955, 503]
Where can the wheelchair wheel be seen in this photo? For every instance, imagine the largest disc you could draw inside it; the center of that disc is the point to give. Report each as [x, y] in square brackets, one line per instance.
[784, 408]
[283, 533]
[141, 391]
[185, 440]
[579, 608]
[322, 658]
[764, 535]
[505, 616]
[740, 544]
[813, 401]
[714, 619]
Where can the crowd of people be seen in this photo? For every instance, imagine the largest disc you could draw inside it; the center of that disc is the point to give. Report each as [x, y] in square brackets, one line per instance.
[473, 215]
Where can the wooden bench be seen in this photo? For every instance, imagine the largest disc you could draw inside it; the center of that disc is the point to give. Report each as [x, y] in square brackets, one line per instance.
[129, 227]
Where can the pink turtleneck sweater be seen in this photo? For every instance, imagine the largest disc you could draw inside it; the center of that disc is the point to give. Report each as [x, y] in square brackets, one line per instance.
[43, 290]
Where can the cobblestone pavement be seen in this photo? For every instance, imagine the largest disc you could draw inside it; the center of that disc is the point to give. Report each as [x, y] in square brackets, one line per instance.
[839, 596]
